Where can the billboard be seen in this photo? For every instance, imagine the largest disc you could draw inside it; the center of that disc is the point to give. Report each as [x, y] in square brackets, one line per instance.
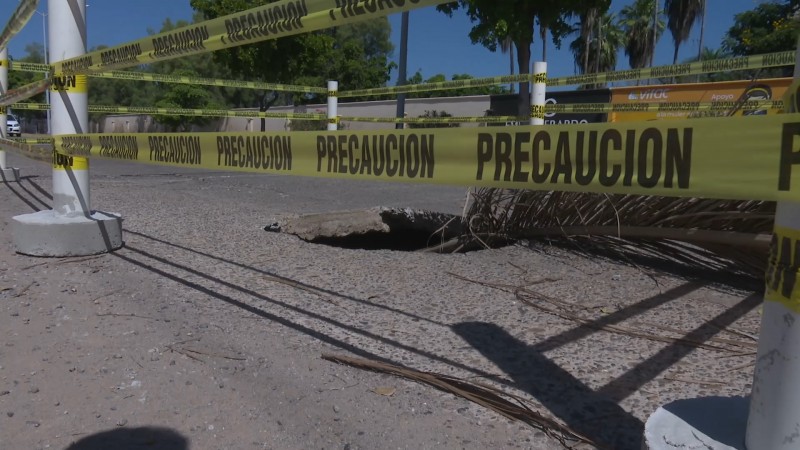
[724, 93]
[506, 105]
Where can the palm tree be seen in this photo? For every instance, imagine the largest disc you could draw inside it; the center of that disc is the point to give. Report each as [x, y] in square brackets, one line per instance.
[601, 47]
[702, 21]
[709, 54]
[636, 22]
[507, 46]
[681, 15]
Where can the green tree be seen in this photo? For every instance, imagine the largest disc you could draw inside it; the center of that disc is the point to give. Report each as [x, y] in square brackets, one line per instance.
[636, 21]
[201, 66]
[438, 78]
[435, 115]
[602, 47]
[355, 55]
[706, 55]
[34, 53]
[767, 28]
[681, 16]
[496, 20]
[507, 47]
[188, 96]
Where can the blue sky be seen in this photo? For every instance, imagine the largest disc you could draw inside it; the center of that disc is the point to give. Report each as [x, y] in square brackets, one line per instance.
[437, 43]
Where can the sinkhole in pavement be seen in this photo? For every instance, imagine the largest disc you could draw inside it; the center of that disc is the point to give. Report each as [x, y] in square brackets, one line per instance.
[401, 229]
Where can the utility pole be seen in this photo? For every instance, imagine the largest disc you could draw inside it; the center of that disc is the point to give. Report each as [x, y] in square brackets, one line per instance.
[46, 61]
[401, 75]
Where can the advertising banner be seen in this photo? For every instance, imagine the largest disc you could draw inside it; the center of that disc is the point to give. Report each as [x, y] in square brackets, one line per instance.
[683, 101]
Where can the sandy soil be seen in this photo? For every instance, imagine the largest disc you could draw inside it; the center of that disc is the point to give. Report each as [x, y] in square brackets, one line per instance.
[205, 331]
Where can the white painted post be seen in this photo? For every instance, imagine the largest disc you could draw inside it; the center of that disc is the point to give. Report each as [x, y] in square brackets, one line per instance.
[3, 90]
[333, 105]
[69, 107]
[774, 420]
[538, 92]
[71, 228]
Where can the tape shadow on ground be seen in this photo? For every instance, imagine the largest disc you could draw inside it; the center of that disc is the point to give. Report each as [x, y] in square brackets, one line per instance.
[289, 281]
[285, 321]
[573, 402]
[31, 195]
[594, 413]
[648, 369]
[616, 317]
[288, 323]
[151, 438]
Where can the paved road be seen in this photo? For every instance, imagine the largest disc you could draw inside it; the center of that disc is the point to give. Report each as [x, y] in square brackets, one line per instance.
[212, 329]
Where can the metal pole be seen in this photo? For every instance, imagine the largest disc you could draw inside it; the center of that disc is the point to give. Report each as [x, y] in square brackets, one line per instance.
[3, 90]
[333, 105]
[69, 105]
[401, 73]
[655, 31]
[538, 93]
[46, 61]
[775, 398]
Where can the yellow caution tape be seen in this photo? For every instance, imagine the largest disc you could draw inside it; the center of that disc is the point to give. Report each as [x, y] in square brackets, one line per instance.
[24, 92]
[791, 98]
[31, 106]
[454, 119]
[685, 158]
[178, 79]
[582, 108]
[68, 162]
[75, 84]
[18, 20]
[38, 153]
[695, 68]
[33, 141]
[782, 281]
[270, 21]
[537, 111]
[22, 66]
[202, 112]
[560, 108]
[3, 63]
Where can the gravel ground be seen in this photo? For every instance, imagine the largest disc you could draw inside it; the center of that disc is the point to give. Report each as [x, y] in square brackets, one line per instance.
[205, 331]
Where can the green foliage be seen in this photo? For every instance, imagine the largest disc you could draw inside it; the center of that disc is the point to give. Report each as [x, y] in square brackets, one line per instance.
[681, 15]
[312, 125]
[603, 45]
[355, 55]
[636, 21]
[434, 115]
[34, 53]
[187, 96]
[707, 55]
[768, 28]
[438, 78]
[497, 20]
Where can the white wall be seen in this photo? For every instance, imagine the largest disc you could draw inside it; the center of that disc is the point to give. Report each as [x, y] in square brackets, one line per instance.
[470, 106]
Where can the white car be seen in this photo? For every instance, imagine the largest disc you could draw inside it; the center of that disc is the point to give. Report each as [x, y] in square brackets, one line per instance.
[12, 125]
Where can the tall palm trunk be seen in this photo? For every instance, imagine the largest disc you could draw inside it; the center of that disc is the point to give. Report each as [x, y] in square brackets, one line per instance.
[599, 40]
[524, 60]
[702, 31]
[511, 63]
[655, 32]
[543, 35]
[587, 26]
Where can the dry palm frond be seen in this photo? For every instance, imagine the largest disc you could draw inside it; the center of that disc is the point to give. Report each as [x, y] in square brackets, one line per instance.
[506, 404]
[728, 234]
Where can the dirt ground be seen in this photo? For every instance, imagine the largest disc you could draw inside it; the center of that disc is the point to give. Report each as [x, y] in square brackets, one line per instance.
[206, 332]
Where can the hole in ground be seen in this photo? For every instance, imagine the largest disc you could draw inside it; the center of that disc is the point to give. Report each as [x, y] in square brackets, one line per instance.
[400, 229]
[400, 240]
